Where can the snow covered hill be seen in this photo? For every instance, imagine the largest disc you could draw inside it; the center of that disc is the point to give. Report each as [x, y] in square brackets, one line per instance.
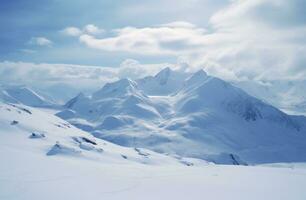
[25, 130]
[197, 116]
[44, 157]
[24, 95]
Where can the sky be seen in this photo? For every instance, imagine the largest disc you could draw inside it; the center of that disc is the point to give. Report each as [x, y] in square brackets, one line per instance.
[48, 42]
[34, 30]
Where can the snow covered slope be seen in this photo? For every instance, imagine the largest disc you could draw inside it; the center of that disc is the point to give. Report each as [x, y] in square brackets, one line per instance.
[25, 130]
[34, 177]
[24, 95]
[203, 117]
[44, 157]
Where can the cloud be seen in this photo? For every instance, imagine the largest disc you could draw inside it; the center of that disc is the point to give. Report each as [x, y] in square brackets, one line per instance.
[257, 43]
[27, 51]
[48, 74]
[254, 39]
[79, 77]
[88, 29]
[134, 69]
[273, 13]
[40, 41]
[71, 31]
[167, 39]
[179, 24]
[92, 29]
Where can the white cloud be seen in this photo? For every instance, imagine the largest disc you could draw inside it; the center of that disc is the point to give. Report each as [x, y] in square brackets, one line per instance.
[257, 43]
[88, 29]
[168, 39]
[179, 24]
[40, 41]
[254, 39]
[72, 31]
[92, 29]
[76, 76]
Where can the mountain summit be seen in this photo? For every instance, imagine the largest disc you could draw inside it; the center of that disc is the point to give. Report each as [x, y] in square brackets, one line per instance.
[165, 82]
[119, 88]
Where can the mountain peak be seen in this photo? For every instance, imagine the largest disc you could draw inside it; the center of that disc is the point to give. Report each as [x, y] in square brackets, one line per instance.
[126, 82]
[120, 84]
[165, 71]
[201, 73]
[165, 82]
[163, 75]
[197, 77]
[117, 88]
[71, 102]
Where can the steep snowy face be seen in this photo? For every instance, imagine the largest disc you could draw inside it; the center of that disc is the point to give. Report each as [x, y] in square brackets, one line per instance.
[206, 93]
[201, 91]
[163, 76]
[24, 95]
[165, 82]
[121, 88]
[75, 100]
[196, 79]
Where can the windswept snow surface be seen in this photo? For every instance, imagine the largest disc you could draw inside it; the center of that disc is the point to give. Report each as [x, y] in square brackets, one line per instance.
[193, 115]
[44, 157]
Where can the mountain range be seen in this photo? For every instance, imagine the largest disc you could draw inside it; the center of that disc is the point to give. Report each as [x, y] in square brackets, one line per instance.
[193, 115]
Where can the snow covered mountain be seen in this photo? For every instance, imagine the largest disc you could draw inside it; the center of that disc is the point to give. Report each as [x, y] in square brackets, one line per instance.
[44, 157]
[24, 95]
[198, 116]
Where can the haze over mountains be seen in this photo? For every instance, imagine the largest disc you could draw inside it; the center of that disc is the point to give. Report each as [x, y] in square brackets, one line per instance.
[284, 94]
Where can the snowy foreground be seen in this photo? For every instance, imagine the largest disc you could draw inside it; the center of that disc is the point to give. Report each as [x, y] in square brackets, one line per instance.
[44, 157]
[62, 178]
